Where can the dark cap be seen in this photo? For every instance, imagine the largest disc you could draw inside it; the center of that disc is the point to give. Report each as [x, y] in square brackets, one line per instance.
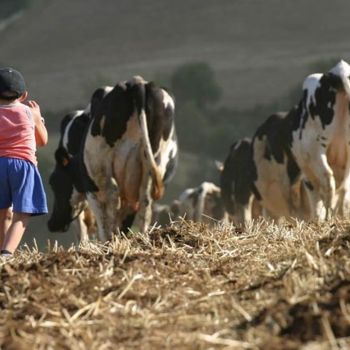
[11, 82]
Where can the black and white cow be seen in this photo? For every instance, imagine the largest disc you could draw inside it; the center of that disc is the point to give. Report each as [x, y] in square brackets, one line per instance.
[302, 158]
[321, 144]
[129, 153]
[164, 214]
[73, 126]
[66, 180]
[200, 204]
[236, 183]
[278, 181]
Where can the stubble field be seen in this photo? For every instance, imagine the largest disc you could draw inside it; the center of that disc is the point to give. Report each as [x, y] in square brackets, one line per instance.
[186, 286]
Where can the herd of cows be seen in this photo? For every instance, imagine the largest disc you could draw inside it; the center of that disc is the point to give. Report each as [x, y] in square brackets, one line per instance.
[116, 157]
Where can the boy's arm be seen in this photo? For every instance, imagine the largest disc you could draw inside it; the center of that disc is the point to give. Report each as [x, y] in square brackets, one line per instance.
[41, 136]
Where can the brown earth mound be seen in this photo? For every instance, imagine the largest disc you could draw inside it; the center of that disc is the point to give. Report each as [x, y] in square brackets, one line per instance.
[184, 287]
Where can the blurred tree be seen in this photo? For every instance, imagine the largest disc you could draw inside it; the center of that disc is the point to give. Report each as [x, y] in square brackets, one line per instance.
[195, 82]
[192, 127]
[9, 7]
[204, 131]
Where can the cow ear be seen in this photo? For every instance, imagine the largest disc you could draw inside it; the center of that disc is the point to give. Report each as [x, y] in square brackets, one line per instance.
[219, 165]
[62, 156]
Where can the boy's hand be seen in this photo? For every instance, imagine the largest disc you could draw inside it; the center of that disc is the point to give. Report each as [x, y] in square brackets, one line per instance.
[34, 107]
[41, 136]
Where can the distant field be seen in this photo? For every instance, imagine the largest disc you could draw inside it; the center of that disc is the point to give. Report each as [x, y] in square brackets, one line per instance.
[186, 286]
[9, 7]
[258, 49]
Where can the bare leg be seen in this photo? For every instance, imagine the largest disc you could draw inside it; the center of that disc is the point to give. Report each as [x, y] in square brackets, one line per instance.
[5, 222]
[15, 232]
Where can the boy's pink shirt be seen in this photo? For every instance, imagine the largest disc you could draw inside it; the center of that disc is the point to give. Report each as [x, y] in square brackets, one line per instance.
[17, 132]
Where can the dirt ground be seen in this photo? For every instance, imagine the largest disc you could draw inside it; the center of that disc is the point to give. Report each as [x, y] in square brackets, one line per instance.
[187, 286]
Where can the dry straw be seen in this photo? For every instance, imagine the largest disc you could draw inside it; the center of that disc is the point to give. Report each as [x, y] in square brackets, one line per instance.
[187, 286]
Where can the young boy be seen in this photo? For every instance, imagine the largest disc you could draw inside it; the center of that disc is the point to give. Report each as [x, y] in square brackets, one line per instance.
[21, 130]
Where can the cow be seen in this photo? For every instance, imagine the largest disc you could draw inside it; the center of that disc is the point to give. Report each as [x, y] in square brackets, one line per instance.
[321, 142]
[236, 183]
[72, 129]
[69, 199]
[129, 154]
[164, 214]
[302, 157]
[200, 204]
[277, 180]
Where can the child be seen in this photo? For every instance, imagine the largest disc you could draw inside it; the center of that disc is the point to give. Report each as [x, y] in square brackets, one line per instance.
[21, 130]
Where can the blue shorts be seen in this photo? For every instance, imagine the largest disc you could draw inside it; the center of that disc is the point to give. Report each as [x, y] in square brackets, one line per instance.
[21, 187]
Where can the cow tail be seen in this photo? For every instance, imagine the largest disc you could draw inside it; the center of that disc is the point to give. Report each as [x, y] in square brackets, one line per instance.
[158, 186]
[346, 85]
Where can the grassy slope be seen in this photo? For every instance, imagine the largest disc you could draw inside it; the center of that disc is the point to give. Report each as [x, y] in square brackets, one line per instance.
[258, 49]
[185, 287]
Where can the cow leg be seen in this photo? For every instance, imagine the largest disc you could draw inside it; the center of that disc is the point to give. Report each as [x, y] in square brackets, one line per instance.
[257, 209]
[98, 207]
[340, 206]
[300, 200]
[90, 222]
[343, 200]
[321, 186]
[276, 202]
[79, 205]
[345, 204]
[105, 204]
[83, 236]
[144, 215]
[304, 209]
[295, 198]
[113, 206]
